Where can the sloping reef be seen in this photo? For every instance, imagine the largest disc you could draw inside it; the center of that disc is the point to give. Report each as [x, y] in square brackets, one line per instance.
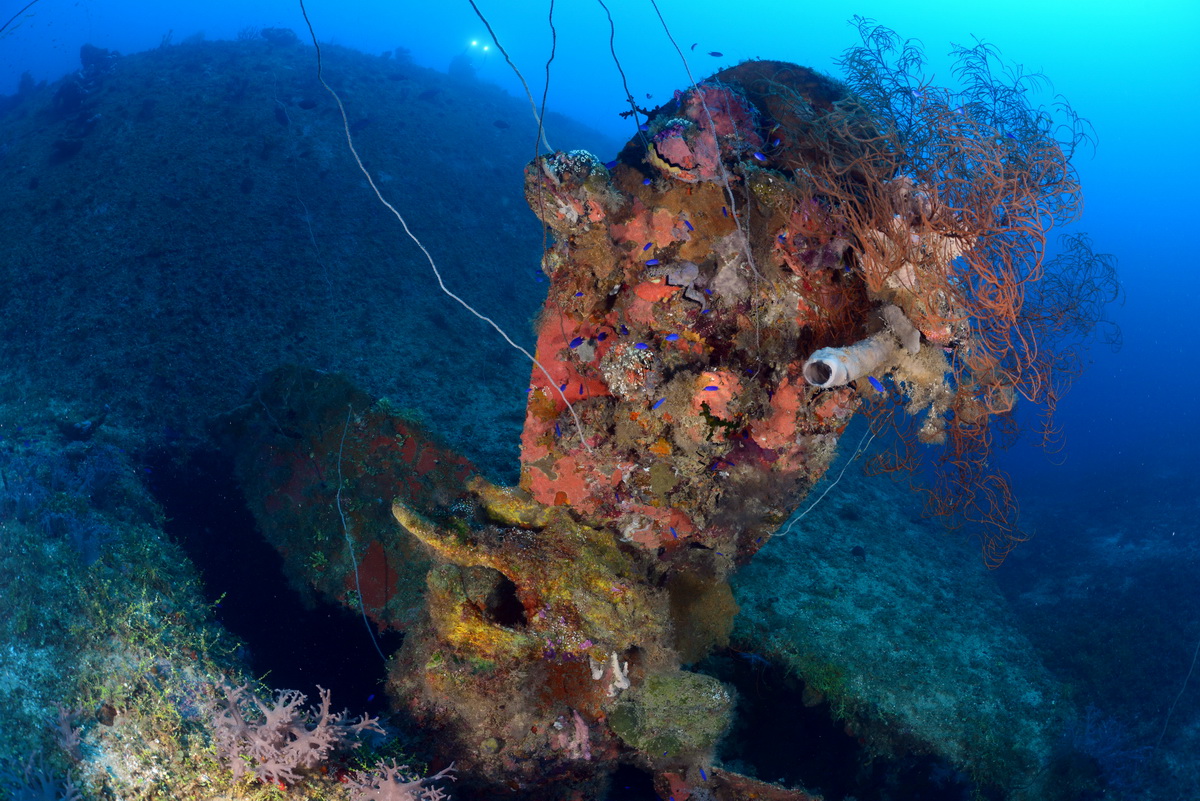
[181, 221]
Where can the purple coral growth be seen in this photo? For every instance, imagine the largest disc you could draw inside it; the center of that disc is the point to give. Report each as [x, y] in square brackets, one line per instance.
[397, 782]
[275, 739]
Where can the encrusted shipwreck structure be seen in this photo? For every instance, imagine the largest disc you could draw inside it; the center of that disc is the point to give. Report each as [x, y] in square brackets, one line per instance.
[751, 269]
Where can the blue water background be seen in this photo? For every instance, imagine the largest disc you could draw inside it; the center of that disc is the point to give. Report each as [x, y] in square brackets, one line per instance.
[1131, 69]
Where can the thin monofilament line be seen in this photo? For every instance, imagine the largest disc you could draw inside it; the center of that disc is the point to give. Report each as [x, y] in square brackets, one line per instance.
[1182, 690]
[11, 19]
[541, 195]
[428, 256]
[545, 87]
[612, 48]
[362, 602]
[520, 77]
[863, 444]
[725, 182]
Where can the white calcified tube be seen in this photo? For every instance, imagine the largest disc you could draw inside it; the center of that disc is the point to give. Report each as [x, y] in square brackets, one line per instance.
[902, 327]
[835, 367]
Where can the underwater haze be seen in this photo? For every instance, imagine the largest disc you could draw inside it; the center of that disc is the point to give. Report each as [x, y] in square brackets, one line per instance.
[1129, 70]
[188, 248]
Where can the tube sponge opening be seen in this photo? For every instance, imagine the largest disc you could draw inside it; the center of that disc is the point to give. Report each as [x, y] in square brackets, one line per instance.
[835, 367]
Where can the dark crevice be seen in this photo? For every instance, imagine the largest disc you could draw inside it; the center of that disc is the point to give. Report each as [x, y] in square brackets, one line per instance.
[286, 644]
[785, 735]
[504, 608]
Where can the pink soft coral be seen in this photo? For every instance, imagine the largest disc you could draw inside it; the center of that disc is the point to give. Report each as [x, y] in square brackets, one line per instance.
[275, 739]
[396, 782]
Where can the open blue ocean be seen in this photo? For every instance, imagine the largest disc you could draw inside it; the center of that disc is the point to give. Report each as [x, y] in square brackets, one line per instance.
[628, 399]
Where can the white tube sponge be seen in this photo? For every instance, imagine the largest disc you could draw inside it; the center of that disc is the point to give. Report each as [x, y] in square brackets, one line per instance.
[835, 367]
[902, 327]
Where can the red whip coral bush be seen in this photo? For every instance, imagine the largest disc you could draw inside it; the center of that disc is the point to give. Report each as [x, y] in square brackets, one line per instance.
[948, 197]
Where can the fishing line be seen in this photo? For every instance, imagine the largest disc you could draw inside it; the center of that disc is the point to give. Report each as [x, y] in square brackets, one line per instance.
[520, 77]
[863, 444]
[362, 602]
[612, 48]
[541, 195]
[11, 19]
[1182, 690]
[733, 209]
[428, 256]
[546, 87]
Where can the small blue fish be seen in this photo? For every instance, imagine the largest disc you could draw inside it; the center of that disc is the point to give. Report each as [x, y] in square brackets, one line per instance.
[603, 335]
[646, 182]
[688, 225]
[624, 330]
[715, 53]
[776, 143]
[576, 342]
[581, 389]
[557, 430]
[671, 337]
[642, 346]
[611, 164]
[783, 237]
[724, 212]
[875, 382]
[651, 262]
[647, 246]
[674, 533]
[579, 294]
[562, 387]
[759, 156]
[711, 388]
[703, 775]
[643, 127]
[658, 403]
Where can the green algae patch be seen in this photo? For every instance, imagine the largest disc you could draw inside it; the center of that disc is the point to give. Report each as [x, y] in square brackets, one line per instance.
[109, 653]
[113, 670]
[673, 715]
